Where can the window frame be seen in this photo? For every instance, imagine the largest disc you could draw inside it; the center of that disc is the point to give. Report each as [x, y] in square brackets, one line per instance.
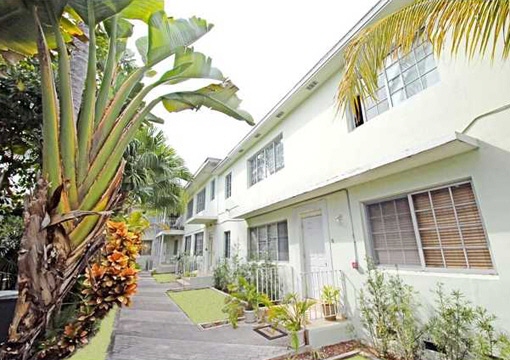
[423, 267]
[212, 187]
[228, 185]
[190, 207]
[271, 146]
[195, 235]
[201, 193]
[187, 250]
[227, 252]
[267, 225]
[390, 61]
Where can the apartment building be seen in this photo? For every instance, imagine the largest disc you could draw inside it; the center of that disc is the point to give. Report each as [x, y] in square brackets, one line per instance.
[416, 180]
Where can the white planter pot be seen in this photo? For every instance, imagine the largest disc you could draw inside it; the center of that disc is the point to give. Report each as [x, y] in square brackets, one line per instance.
[301, 336]
[250, 316]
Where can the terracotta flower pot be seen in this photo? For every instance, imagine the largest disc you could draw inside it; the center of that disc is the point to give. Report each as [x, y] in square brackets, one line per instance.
[330, 311]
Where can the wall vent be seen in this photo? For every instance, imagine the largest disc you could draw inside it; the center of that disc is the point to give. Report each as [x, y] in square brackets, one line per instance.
[257, 135]
[312, 85]
[280, 114]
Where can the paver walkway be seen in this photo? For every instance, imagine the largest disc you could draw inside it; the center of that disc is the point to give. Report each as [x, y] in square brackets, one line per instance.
[155, 328]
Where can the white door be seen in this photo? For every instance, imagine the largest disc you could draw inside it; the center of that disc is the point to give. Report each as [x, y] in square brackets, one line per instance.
[315, 254]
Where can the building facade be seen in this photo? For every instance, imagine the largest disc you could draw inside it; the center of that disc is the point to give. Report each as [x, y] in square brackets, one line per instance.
[415, 180]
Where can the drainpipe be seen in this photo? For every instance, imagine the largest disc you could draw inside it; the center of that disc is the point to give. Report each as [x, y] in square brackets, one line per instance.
[353, 236]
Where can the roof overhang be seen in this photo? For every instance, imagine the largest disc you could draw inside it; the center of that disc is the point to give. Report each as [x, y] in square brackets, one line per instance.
[423, 154]
[170, 232]
[202, 220]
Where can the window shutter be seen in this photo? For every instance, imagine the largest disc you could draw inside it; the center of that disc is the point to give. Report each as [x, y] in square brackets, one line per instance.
[451, 229]
[392, 233]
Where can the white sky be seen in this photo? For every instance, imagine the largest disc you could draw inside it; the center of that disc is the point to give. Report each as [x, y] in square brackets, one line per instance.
[265, 47]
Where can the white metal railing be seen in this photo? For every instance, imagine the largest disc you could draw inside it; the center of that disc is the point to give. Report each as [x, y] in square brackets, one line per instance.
[312, 284]
[275, 281]
[188, 265]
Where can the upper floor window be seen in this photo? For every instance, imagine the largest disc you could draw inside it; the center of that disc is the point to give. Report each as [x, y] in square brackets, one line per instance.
[266, 162]
[270, 242]
[403, 76]
[189, 212]
[201, 201]
[228, 185]
[213, 189]
[439, 228]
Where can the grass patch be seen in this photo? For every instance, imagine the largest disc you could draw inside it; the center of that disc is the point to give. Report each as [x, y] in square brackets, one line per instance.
[164, 278]
[98, 347]
[201, 306]
[357, 357]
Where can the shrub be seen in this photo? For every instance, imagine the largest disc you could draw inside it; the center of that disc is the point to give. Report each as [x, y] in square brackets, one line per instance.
[110, 281]
[463, 331]
[387, 308]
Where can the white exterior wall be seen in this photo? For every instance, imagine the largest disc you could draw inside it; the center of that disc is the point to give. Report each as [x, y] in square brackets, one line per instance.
[319, 146]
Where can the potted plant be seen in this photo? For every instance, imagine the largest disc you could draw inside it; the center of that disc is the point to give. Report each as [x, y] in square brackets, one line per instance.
[249, 297]
[330, 296]
[291, 314]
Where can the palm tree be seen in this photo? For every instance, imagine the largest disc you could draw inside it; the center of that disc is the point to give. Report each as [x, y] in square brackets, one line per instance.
[154, 174]
[82, 153]
[474, 27]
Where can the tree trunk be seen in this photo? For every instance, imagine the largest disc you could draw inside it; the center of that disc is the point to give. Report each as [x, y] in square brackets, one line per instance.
[48, 269]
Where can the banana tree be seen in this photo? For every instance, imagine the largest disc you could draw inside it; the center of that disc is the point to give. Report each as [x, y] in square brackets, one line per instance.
[474, 27]
[82, 151]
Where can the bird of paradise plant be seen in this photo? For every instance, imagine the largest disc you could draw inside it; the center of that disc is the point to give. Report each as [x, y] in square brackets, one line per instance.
[82, 163]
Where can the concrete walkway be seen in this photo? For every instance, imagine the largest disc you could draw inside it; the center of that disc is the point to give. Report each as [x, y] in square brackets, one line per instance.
[154, 328]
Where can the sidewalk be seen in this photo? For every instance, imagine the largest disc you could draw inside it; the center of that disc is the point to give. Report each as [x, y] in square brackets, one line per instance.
[154, 328]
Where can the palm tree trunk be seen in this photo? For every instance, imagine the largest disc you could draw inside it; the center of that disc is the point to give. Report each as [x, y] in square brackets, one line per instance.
[48, 269]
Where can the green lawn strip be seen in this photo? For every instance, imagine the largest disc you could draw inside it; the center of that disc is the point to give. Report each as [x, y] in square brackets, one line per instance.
[201, 306]
[164, 278]
[98, 347]
[357, 357]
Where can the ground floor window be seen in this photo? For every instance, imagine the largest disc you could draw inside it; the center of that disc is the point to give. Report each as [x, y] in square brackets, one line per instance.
[199, 244]
[437, 228]
[187, 244]
[146, 247]
[227, 244]
[176, 247]
[270, 242]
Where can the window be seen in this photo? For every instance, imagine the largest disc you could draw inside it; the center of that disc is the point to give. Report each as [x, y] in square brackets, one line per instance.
[201, 201]
[270, 242]
[199, 244]
[266, 162]
[213, 189]
[227, 244]
[176, 247]
[146, 247]
[228, 185]
[187, 244]
[189, 213]
[403, 76]
[439, 228]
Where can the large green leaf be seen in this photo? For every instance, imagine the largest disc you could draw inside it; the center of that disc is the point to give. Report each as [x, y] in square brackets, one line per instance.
[218, 97]
[103, 9]
[142, 9]
[18, 31]
[199, 67]
[166, 35]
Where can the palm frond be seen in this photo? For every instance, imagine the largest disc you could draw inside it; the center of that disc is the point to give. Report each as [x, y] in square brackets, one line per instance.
[474, 27]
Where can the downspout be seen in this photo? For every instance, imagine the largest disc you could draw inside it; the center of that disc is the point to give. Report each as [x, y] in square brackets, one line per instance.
[492, 112]
[355, 244]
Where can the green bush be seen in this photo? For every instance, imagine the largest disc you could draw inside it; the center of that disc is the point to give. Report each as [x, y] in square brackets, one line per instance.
[463, 331]
[387, 307]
